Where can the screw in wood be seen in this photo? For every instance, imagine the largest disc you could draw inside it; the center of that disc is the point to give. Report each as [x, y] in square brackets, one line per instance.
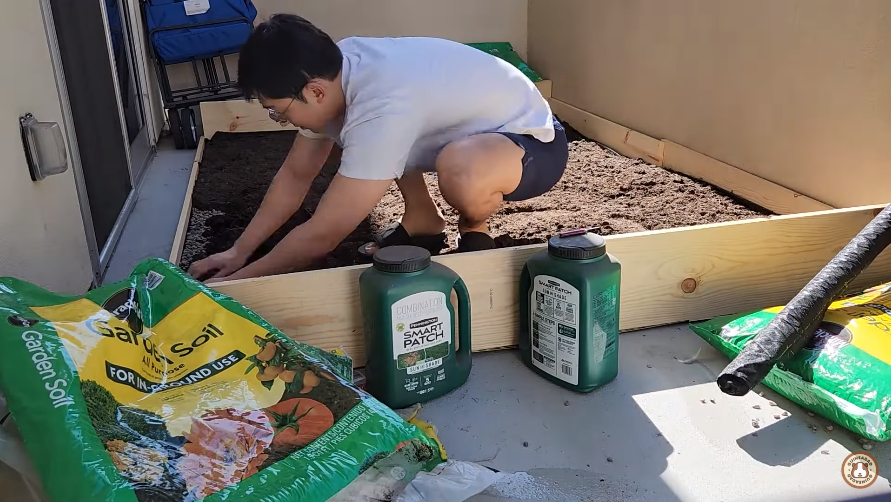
[689, 285]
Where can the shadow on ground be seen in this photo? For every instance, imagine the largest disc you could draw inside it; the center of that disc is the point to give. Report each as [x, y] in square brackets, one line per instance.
[662, 431]
[599, 446]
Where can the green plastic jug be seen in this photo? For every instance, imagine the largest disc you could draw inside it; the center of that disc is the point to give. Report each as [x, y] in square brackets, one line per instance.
[410, 327]
[569, 296]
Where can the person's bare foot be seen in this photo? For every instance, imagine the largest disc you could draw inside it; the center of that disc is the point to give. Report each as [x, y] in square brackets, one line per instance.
[466, 226]
[427, 224]
[422, 216]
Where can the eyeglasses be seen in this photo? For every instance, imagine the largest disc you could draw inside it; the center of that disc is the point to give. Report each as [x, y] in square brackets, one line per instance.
[280, 117]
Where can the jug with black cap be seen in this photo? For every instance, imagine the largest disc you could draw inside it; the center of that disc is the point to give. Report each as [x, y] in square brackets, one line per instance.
[569, 312]
[413, 353]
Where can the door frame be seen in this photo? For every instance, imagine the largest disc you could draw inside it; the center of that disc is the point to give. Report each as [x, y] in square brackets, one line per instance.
[143, 63]
[49, 28]
[143, 146]
[117, 99]
[137, 173]
[99, 258]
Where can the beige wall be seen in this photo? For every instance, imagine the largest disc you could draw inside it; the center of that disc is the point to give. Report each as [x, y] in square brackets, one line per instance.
[795, 91]
[460, 20]
[42, 238]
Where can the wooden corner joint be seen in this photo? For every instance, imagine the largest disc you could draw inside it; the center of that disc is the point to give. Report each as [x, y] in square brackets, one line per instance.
[649, 149]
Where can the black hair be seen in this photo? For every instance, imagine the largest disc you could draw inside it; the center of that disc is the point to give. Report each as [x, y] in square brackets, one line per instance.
[284, 53]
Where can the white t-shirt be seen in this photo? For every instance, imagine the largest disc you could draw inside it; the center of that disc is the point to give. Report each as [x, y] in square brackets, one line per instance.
[407, 98]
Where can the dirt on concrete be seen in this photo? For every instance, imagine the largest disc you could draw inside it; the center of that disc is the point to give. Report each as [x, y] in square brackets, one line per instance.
[601, 190]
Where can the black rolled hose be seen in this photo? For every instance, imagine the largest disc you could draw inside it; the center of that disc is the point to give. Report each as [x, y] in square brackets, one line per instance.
[794, 326]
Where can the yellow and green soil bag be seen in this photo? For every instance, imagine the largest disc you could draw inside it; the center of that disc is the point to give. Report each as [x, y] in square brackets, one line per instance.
[843, 373]
[159, 389]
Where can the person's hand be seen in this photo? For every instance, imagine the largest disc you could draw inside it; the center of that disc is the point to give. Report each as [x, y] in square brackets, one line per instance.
[218, 266]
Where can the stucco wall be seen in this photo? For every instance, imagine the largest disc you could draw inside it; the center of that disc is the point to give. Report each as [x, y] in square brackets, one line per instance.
[460, 20]
[795, 91]
[42, 238]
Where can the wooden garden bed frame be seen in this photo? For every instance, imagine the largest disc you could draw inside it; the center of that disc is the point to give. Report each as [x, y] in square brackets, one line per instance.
[668, 276]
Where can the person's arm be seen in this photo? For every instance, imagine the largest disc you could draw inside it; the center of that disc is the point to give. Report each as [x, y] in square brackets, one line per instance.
[286, 192]
[374, 154]
[345, 204]
[282, 199]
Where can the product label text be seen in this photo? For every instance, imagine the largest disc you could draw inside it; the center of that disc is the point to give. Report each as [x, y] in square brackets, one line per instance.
[133, 379]
[56, 388]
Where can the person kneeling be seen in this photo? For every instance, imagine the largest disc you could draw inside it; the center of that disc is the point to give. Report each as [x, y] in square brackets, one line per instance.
[398, 107]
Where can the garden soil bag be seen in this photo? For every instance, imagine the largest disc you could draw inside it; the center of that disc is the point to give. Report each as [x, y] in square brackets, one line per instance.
[158, 388]
[505, 51]
[843, 373]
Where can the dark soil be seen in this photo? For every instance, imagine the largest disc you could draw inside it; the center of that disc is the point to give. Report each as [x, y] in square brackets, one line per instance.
[601, 190]
[236, 170]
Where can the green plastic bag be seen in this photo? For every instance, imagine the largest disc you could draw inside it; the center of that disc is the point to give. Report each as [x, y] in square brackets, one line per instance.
[843, 374]
[505, 51]
[158, 388]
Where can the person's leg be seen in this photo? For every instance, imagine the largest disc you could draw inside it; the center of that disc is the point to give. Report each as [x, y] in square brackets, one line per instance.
[422, 223]
[475, 173]
[422, 216]
[478, 173]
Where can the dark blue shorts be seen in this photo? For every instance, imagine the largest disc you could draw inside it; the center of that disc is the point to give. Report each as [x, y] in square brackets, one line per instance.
[543, 163]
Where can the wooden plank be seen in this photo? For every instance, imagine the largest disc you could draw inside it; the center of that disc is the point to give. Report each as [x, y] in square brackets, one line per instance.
[765, 193]
[641, 142]
[621, 139]
[248, 116]
[179, 239]
[668, 276]
[545, 87]
[199, 152]
[683, 160]
[237, 116]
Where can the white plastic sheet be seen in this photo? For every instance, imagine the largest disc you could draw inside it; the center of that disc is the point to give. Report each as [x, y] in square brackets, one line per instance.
[451, 481]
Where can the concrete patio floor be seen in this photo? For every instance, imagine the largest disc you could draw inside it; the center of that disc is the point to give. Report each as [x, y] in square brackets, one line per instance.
[152, 224]
[646, 436]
